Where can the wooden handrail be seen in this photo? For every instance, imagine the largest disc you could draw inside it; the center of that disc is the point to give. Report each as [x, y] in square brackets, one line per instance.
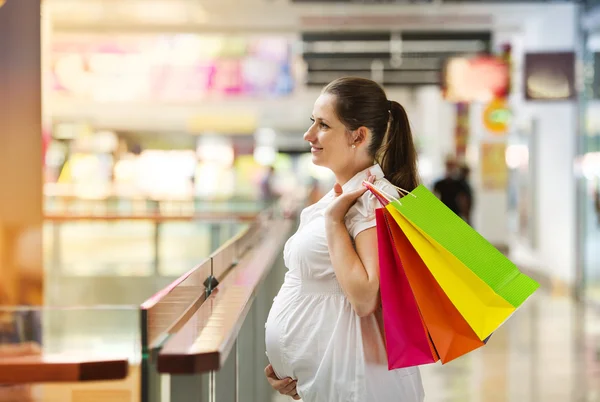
[167, 310]
[36, 367]
[174, 304]
[206, 339]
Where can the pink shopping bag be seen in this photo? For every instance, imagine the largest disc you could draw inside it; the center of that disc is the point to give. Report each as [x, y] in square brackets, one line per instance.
[407, 340]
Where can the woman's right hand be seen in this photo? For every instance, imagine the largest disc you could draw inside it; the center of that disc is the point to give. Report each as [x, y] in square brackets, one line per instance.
[287, 386]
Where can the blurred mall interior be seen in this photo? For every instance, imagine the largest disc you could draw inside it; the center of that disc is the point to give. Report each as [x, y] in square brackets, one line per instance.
[152, 151]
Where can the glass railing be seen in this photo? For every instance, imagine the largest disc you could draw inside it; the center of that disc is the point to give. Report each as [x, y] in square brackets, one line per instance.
[235, 373]
[112, 352]
[217, 354]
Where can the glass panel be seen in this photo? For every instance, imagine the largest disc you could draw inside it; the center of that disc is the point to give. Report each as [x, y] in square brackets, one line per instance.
[123, 262]
[100, 248]
[93, 332]
[182, 245]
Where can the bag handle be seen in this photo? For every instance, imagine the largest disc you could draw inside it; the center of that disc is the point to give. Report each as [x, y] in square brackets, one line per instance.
[403, 191]
[383, 199]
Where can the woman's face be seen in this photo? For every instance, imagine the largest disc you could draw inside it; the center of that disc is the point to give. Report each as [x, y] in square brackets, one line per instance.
[331, 145]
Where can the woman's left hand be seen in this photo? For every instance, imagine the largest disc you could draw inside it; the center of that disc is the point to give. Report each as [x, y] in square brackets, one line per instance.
[337, 210]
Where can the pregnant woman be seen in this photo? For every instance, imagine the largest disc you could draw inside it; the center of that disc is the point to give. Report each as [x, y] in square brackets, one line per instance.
[324, 334]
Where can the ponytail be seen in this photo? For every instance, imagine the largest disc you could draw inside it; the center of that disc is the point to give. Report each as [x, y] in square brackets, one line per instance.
[397, 155]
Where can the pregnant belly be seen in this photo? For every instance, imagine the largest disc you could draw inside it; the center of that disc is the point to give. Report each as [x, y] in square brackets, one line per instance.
[301, 330]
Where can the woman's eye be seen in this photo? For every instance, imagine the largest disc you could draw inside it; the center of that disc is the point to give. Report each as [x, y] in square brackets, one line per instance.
[313, 120]
[323, 125]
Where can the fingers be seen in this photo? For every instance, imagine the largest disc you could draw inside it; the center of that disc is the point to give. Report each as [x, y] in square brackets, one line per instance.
[337, 189]
[287, 386]
[277, 383]
[282, 386]
[269, 372]
[289, 390]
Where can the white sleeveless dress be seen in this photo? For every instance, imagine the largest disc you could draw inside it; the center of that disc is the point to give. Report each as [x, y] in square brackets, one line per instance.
[314, 336]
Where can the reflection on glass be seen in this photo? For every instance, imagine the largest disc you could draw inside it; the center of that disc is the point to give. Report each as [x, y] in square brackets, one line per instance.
[101, 333]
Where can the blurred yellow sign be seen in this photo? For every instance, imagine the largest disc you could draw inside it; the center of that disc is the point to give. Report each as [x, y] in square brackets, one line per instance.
[232, 124]
[496, 117]
[494, 172]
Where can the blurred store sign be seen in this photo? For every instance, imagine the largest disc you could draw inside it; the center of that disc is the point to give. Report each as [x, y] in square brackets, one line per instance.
[550, 76]
[393, 59]
[497, 117]
[170, 68]
[462, 130]
[494, 172]
[475, 79]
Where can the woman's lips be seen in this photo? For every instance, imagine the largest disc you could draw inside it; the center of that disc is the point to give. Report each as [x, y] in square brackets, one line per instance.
[315, 149]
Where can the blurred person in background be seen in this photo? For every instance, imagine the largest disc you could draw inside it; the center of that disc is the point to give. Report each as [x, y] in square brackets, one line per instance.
[324, 334]
[454, 189]
[449, 188]
[465, 196]
[267, 192]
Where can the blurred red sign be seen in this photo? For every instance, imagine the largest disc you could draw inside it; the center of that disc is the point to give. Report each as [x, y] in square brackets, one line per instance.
[477, 79]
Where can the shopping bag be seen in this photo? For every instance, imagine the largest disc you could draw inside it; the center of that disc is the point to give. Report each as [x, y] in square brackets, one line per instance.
[448, 233]
[451, 334]
[407, 339]
[480, 306]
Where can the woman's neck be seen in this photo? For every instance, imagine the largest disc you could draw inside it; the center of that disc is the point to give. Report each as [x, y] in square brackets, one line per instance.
[345, 175]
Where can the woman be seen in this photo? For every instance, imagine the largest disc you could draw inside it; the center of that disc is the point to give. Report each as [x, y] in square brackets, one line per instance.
[324, 334]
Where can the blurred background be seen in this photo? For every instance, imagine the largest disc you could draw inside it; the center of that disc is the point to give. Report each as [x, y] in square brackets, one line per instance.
[162, 124]
[172, 101]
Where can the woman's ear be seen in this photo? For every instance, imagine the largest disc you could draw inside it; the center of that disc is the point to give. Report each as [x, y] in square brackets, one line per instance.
[360, 136]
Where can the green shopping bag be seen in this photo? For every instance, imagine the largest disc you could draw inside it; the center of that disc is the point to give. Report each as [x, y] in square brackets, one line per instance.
[448, 231]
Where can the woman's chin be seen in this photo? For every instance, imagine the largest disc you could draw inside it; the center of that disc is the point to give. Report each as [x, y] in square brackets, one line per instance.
[316, 160]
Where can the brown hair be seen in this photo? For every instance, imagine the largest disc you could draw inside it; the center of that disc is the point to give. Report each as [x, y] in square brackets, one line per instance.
[361, 102]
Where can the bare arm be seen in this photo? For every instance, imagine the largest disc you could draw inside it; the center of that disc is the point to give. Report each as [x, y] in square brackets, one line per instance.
[357, 270]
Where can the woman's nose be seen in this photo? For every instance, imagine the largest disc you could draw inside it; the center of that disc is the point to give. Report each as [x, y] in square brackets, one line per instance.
[309, 135]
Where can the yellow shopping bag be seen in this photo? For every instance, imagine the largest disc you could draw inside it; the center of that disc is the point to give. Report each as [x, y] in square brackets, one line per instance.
[481, 307]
